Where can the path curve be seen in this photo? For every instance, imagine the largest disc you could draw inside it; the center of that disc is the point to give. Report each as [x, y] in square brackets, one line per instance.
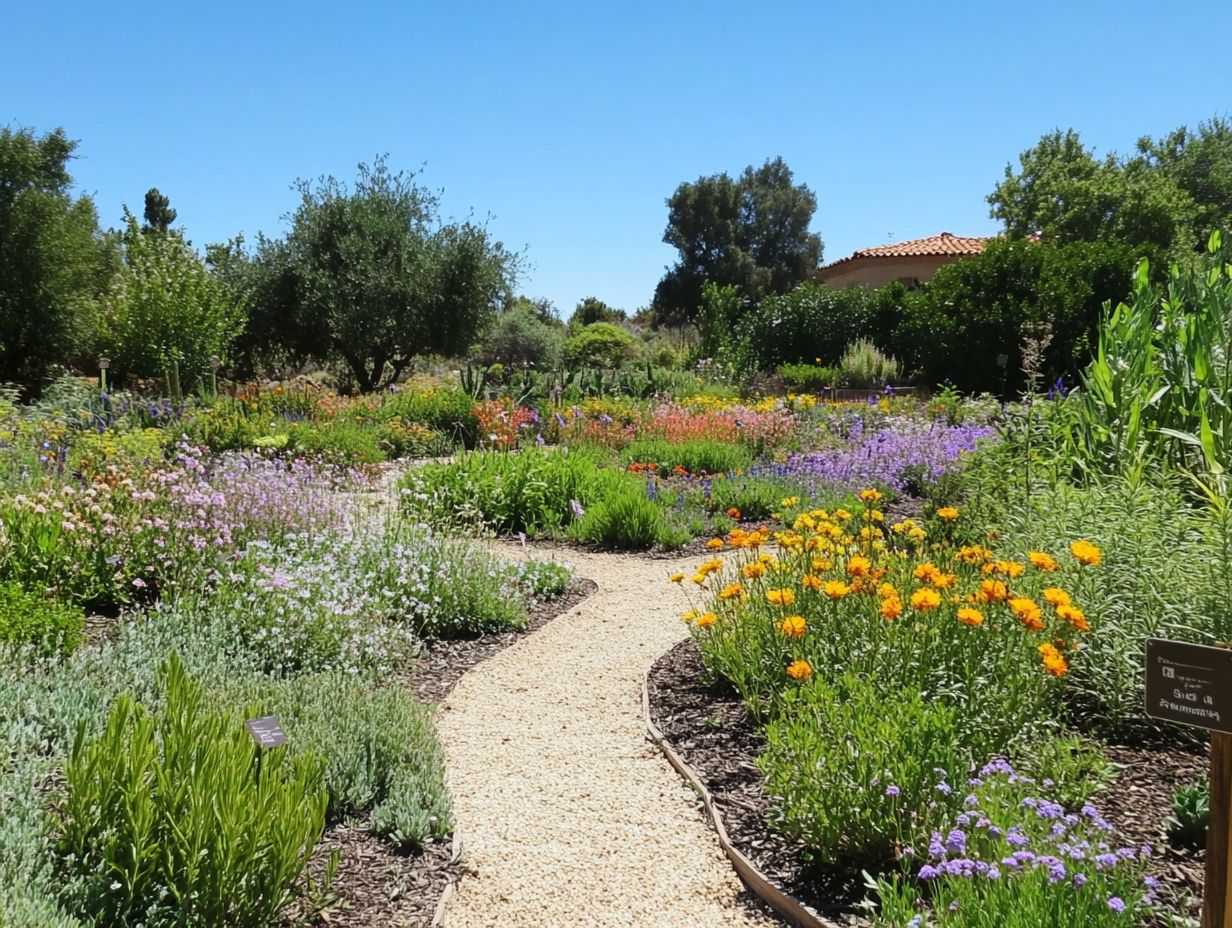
[572, 818]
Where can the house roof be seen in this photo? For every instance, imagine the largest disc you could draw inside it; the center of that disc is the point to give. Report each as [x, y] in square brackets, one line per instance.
[944, 244]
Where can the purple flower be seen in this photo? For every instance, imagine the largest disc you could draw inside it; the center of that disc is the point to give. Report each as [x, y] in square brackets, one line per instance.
[1080, 879]
[929, 872]
[892, 790]
[1115, 903]
[956, 842]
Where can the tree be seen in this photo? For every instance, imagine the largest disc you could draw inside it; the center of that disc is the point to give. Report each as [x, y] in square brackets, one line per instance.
[370, 276]
[591, 310]
[1199, 163]
[165, 314]
[519, 336]
[158, 212]
[53, 260]
[602, 344]
[1063, 193]
[751, 232]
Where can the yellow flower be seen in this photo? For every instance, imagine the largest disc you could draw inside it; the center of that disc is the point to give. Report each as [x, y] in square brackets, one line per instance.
[841, 515]
[1054, 663]
[926, 572]
[677, 577]
[1028, 612]
[783, 597]
[698, 578]
[887, 591]
[1074, 616]
[706, 620]
[820, 563]
[732, 591]
[969, 616]
[688, 616]
[1086, 553]
[836, 589]
[925, 598]
[1042, 561]
[800, 670]
[973, 554]
[944, 581]
[869, 496]
[811, 582]
[1055, 596]
[858, 565]
[993, 591]
[891, 608]
[789, 502]
[793, 626]
[714, 544]
[710, 566]
[754, 570]
[947, 513]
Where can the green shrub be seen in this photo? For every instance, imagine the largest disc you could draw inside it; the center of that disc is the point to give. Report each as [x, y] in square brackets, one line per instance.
[1191, 815]
[627, 519]
[863, 366]
[809, 378]
[1077, 769]
[846, 775]
[338, 441]
[519, 338]
[169, 819]
[544, 579]
[755, 497]
[43, 624]
[601, 344]
[697, 457]
[447, 410]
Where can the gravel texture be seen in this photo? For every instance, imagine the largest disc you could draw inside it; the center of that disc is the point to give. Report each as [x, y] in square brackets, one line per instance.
[569, 815]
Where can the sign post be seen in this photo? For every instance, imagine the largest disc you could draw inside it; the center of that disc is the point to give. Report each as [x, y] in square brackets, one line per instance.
[1191, 684]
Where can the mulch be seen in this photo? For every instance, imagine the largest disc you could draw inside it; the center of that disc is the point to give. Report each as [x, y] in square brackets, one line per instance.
[708, 726]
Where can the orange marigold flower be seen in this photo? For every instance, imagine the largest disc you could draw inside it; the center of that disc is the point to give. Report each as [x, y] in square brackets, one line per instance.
[925, 598]
[1043, 561]
[754, 570]
[820, 563]
[733, 513]
[793, 626]
[1010, 569]
[1086, 553]
[783, 597]
[835, 589]
[1054, 663]
[800, 670]
[993, 591]
[1074, 616]
[1028, 612]
[925, 571]
[970, 616]
[714, 543]
[811, 582]
[869, 496]
[887, 591]
[1055, 596]
[710, 566]
[973, 555]
[891, 608]
[944, 581]
[705, 620]
[858, 565]
[947, 513]
[732, 591]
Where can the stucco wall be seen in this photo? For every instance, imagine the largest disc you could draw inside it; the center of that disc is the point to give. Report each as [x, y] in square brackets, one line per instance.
[877, 272]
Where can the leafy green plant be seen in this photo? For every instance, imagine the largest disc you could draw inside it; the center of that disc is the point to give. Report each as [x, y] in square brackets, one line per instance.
[755, 497]
[862, 365]
[703, 456]
[810, 378]
[175, 818]
[544, 579]
[846, 775]
[46, 626]
[627, 519]
[1076, 769]
[1191, 814]
[602, 344]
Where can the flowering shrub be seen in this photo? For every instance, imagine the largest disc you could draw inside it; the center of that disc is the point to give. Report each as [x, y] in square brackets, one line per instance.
[501, 423]
[1015, 857]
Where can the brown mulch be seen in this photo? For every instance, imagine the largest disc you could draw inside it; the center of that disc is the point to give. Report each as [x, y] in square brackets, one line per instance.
[441, 664]
[707, 725]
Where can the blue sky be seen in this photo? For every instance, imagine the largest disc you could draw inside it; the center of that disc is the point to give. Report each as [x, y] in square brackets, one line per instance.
[570, 123]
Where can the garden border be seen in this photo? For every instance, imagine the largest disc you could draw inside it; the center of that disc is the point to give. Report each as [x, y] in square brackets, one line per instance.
[440, 913]
[788, 907]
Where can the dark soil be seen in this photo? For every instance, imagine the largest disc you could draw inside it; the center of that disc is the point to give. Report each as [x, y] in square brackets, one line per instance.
[707, 725]
[441, 664]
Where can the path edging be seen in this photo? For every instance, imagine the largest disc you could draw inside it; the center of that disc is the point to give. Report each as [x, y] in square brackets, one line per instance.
[785, 905]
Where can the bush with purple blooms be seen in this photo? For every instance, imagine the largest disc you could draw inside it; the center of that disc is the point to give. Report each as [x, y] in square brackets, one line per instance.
[1016, 858]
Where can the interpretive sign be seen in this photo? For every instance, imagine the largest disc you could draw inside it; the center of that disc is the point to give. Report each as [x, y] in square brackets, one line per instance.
[1189, 684]
[267, 731]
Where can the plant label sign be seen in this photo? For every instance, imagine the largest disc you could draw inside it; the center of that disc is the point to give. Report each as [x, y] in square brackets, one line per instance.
[266, 731]
[1189, 684]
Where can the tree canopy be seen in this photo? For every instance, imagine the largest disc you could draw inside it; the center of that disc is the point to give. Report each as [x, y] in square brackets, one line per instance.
[751, 232]
[371, 276]
[158, 212]
[53, 260]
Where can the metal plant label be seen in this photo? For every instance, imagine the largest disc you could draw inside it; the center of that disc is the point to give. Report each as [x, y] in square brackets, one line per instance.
[1189, 684]
[267, 731]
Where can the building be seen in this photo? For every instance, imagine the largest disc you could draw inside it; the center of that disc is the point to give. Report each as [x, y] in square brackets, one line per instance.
[910, 263]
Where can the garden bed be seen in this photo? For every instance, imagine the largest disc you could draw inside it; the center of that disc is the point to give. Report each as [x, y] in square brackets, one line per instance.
[707, 725]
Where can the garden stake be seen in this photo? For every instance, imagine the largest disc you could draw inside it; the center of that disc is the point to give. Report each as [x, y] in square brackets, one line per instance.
[1217, 888]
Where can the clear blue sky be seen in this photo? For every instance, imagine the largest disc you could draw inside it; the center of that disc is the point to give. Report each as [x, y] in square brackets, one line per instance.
[570, 123]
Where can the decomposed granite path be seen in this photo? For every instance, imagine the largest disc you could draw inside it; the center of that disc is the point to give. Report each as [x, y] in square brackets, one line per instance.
[570, 817]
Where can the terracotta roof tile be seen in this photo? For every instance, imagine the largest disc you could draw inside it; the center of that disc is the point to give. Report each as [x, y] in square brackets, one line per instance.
[943, 244]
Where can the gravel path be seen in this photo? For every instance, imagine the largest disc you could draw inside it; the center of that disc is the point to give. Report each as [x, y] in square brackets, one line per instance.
[569, 815]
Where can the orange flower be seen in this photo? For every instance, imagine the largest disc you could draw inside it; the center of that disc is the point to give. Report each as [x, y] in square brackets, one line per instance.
[944, 581]
[1074, 616]
[1055, 596]
[732, 591]
[811, 582]
[754, 570]
[1042, 561]
[793, 626]
[887, 591]
[676, 577]
[1086, 553]
[993, 591]
[973, 554]
[869, 496]
[783, 597]
[836, 589]
[820, 563]
[925, 572]
[1028, 612]
[706, 620]
[858, 565]
[947, 513]
[1054, 663]
[891, 608]
[925, 599]
[969, 616]
[800, 670]
[714, 543]
[734, 513]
